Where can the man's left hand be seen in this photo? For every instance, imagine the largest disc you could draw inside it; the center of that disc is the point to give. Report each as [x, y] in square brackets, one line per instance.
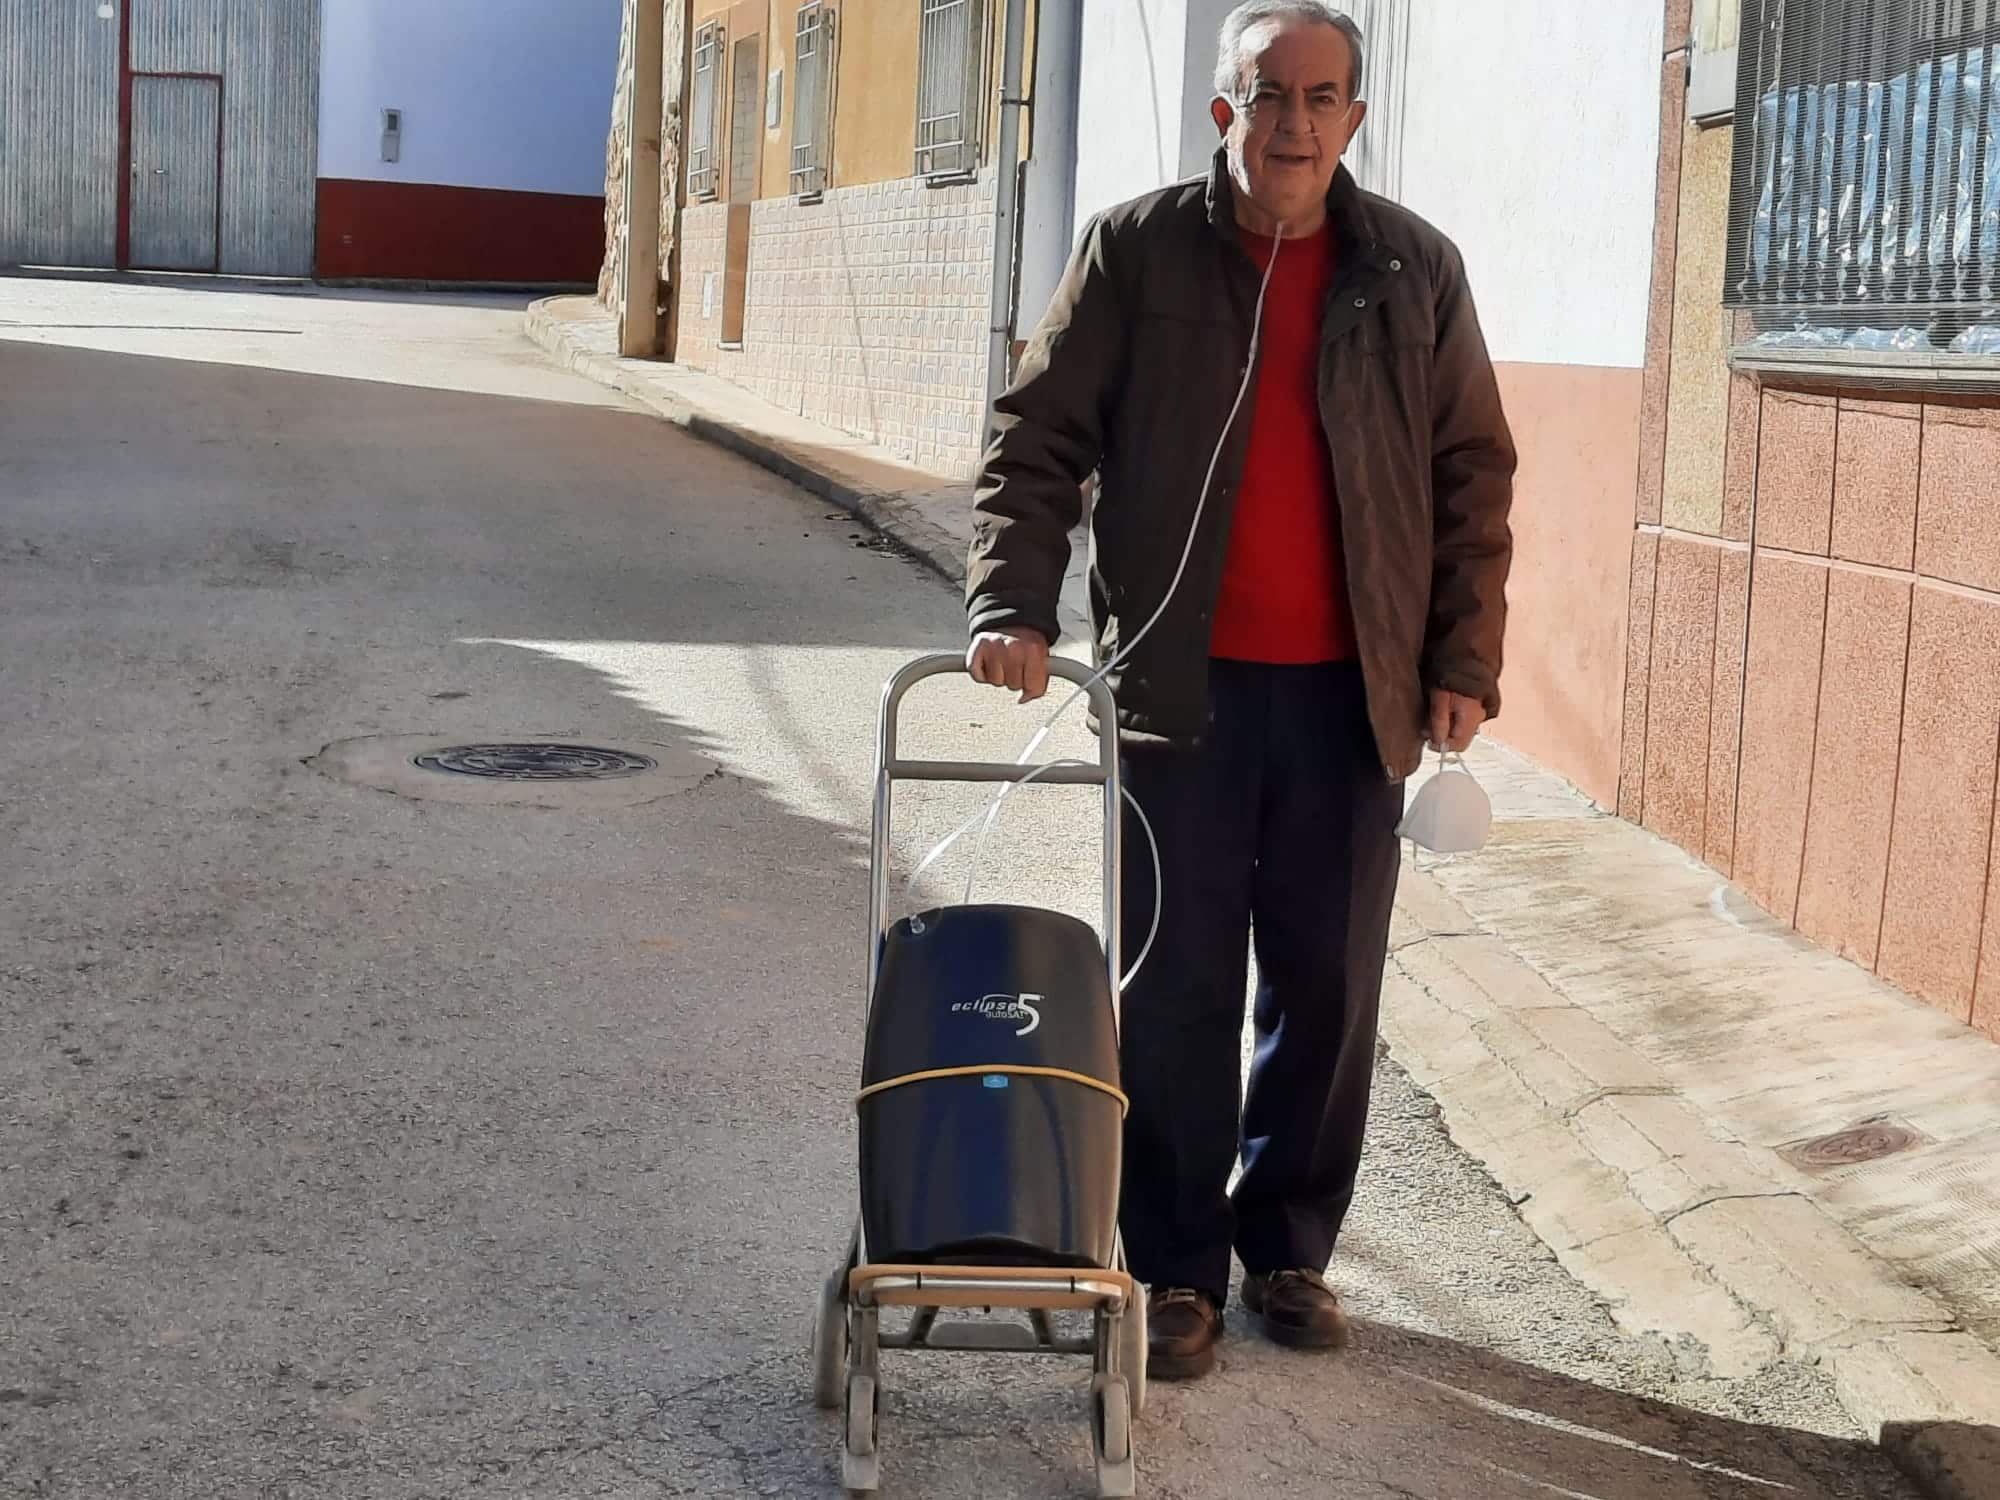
[1455, 720]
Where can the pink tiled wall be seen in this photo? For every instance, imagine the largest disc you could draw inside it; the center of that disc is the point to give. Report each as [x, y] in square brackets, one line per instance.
[1795, 458]
[1857, 733]
[1781, 684]
[1938, 848]
[1819, 701]
[866, 311]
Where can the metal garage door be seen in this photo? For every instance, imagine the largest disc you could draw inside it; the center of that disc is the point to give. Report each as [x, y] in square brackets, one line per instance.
[58, 134]
[83, 184]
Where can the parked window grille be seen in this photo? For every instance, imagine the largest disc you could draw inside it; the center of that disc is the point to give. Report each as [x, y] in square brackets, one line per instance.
[705, 114]
[950, 62]
[1865, 202]
[812, 99]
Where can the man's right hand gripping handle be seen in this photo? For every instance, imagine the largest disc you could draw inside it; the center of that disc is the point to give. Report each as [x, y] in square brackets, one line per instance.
[1016, 659]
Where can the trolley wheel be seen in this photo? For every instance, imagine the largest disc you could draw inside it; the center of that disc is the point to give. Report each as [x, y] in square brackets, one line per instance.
[1111, 1437]
[860, 1464]
[829, 1344]
[1132, 1352]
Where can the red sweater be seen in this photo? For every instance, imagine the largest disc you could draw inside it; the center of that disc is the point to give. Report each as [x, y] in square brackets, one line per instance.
[1284, 595]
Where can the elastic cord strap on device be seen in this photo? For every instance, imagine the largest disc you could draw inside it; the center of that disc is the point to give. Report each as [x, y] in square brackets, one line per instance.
[1017, 1070]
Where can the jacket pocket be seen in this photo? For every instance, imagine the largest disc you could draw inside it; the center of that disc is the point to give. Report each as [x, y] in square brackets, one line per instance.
[1400, 319]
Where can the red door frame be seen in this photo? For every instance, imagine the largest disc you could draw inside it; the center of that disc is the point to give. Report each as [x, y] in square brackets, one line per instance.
[125, 77]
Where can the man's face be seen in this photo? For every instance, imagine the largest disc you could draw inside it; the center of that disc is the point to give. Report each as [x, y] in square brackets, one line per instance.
[1291, 122]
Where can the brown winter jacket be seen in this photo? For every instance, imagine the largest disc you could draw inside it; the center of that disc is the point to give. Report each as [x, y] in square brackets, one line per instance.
[1130, 376]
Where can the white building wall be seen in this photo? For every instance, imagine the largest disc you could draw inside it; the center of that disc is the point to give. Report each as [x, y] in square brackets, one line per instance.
[511, 94]
[1199, 137]
[1130, 116]
[1531, 137]
[1143, 117]
[1529, 133]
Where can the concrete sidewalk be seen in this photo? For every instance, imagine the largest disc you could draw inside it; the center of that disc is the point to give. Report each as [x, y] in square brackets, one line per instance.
[1750, 1149]
[1685, 1100]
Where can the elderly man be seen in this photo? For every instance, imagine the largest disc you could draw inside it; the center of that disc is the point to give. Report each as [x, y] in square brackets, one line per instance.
[1344, 471]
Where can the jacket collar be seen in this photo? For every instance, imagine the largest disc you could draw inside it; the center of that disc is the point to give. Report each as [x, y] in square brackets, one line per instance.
[1356, 228]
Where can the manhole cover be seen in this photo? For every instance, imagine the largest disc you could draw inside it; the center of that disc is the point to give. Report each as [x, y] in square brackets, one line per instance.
[536, 762]
[1871, 1140]
[537, 772]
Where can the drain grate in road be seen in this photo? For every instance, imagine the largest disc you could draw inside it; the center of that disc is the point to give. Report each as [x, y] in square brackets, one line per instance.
[534, 762]
[1871, 1140]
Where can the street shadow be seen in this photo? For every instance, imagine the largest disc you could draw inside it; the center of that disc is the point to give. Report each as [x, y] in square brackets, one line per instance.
[1955, 1460]
[1398, 1416]
[1535, 1432]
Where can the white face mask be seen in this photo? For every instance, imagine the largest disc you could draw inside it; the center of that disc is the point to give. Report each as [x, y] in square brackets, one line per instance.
[1452, 814]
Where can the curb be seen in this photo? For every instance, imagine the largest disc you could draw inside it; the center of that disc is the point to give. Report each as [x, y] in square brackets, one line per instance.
[889, 514]
[428, 284]
[1686, 1236]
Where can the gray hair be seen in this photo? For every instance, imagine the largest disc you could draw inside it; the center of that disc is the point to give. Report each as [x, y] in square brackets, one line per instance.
[1231, 65]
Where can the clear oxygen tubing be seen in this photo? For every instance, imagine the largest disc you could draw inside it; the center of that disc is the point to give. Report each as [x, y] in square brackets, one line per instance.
[986, 819]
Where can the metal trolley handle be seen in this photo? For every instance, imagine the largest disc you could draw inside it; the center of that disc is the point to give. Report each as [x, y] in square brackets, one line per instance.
[891, 768]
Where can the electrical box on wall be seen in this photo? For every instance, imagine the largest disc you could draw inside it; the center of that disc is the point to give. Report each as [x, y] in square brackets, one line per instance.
[1715, 30]
[774, 99]
[1712, 85]
[392, 135]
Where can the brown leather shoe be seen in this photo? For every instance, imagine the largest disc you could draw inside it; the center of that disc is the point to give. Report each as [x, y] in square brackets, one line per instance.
[1182, 1326]
[1298, 1309]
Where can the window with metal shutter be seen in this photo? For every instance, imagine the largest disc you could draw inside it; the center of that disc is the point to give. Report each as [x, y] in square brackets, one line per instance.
[950, 61]
[812, 99]
[1864, 211]
[705, 114]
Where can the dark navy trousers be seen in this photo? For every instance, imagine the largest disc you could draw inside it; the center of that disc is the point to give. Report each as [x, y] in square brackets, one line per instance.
[1278, 829]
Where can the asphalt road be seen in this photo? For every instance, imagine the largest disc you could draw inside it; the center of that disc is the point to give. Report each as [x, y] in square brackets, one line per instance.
[358, 1145]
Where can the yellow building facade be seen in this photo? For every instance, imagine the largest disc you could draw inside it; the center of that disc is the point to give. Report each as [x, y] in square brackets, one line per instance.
[837, 243]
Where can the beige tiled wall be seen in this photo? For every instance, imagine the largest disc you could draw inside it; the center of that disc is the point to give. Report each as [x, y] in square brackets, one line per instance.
[866, 311]
[1698, 376]
[703, 226]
